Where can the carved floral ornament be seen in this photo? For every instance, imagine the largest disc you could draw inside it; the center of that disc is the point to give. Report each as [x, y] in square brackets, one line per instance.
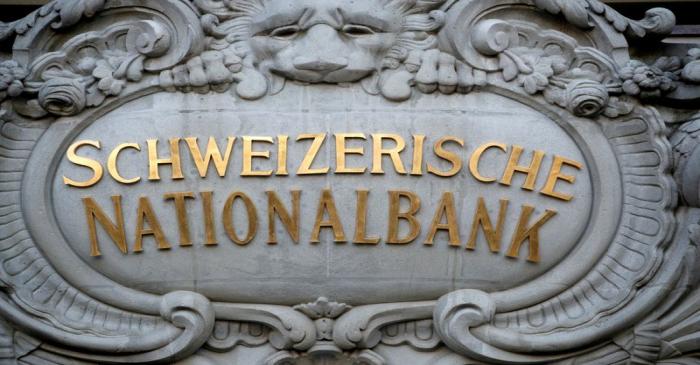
[73, 57]
[416, 47]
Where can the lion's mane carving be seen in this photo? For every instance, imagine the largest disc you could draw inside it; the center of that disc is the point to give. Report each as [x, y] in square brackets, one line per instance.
[319, 41]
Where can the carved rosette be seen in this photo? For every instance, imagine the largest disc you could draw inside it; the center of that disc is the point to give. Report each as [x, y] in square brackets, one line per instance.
[79, 59]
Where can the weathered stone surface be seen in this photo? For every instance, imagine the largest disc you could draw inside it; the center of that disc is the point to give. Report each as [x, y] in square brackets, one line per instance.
[347, 272]
[551, 215]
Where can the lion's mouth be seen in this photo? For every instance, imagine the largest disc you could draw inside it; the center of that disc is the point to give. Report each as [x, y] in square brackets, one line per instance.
[329, 76]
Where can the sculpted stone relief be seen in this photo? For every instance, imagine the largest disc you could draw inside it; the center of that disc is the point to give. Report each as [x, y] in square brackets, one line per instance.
[626, 293]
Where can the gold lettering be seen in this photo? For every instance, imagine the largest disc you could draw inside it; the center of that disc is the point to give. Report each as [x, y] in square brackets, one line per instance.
[531, 170]
[446, 155]
[445, 208]
[93, 213]
[327, 204]
[209, 228]
[282, 142]
[112, 163]
[154, 162]
[291, 223]
[252, 219]
[476, 158]
[417, 166]
[341, 150]
[211, 154]
[531, 234]
[394, 153]
[305, 168]
[249, 154]
[95, 166]
[555, 174]
[181, 213]
[361, 220]
[145, 214]
[395, 216]
[482, 218]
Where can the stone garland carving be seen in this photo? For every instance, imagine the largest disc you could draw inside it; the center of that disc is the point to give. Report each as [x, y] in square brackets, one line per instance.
[62, 14]
[657, 21]
[97, 64]
[580, 80]
[656, 80]
[235, 56]
[208, 46]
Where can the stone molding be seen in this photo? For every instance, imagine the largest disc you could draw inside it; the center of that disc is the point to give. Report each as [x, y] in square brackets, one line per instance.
[74, 60]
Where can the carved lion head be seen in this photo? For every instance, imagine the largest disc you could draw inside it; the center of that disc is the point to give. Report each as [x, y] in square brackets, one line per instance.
[322, 41]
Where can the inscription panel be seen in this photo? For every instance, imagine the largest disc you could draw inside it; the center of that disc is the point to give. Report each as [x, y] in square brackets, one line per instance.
[276, 181]
[341, 242]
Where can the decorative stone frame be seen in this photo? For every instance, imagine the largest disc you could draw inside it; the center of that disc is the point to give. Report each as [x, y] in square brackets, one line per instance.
[567, 59]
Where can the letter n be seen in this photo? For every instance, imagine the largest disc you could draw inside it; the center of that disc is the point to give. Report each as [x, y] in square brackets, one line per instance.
[93, 213]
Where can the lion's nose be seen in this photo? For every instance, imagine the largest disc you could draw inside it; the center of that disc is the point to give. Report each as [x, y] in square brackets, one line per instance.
[324, 51]
[320, 64]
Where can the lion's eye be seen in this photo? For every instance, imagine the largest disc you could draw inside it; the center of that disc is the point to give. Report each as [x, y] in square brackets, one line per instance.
[357, 30]
[285, 32]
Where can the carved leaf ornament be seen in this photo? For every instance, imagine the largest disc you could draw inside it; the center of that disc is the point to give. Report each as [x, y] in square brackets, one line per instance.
[74, 61]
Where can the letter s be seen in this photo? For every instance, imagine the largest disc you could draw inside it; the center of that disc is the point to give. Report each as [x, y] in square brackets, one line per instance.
[97, 170]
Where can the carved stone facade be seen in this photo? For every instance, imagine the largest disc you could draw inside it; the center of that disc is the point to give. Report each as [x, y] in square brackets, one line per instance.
[620, 287]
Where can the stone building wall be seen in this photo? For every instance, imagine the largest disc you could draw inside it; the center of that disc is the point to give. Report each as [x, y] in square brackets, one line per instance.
[332, 182]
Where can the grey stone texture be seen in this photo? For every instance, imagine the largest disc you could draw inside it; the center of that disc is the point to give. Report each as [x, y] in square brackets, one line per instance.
[616, 277]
